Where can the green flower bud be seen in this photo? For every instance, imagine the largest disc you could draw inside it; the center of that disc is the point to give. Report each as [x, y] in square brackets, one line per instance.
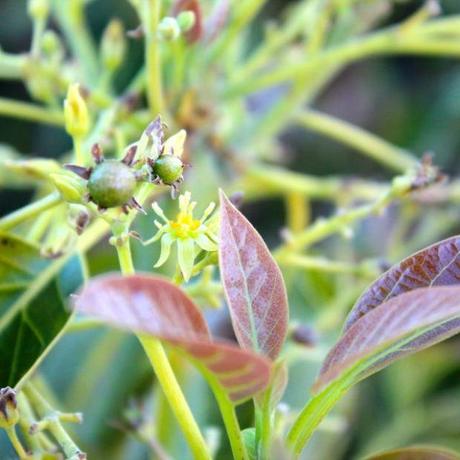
[71, 187]
[168, 29]
[52, 45]
[112, 183]
[113, 45]
[168, 168]
[186, 20]
[9, 414]
[76, 112]
[38, 9]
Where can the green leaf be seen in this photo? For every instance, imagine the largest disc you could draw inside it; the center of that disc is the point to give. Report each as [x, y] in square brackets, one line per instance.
[33, 308]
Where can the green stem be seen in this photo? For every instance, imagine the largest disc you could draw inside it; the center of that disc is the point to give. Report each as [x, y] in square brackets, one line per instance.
[72, 18]
[11, 66]
[312, 414]
[232, 427]
[367, 143]
[30, 211]
[151, 16]
[11, 432]
[263, 426]
[26, 111]
[26, 420]
[164, 372]
[54, 426]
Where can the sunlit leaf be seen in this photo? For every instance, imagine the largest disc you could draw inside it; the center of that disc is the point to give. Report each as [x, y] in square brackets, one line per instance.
[32, 305]
[416, 453]
[401, 326]
[154, 306]
[253, 284]
[437, 265]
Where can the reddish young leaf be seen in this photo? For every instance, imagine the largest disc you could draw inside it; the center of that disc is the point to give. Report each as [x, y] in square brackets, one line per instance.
[154, 306]
[401, 326]
[196, 32]
[437, 265]
[416, 453]
[253, 284]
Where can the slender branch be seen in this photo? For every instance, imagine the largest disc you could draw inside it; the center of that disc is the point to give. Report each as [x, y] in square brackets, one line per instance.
[162, 367]
[54, 425]
[151, 16]
[366, 143]
[26, 111]
[13, 437]
[30, 211]
[72, 18]
[11, 66]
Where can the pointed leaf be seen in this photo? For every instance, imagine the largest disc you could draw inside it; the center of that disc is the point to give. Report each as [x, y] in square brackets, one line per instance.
[399, 327]
[154, 306]
[416, 453]
[253, 284]
[32, 305]
[436, 265]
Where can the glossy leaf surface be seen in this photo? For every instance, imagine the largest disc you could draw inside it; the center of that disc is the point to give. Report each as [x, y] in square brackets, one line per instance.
[33, 308]
[253, 284]
[154, 306]
[416, 453]
[401, 326]
[436, 265]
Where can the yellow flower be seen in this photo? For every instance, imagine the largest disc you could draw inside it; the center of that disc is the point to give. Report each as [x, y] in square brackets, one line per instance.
[191, 235]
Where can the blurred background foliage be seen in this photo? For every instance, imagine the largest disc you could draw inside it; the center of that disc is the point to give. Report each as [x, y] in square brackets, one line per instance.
[413, 102]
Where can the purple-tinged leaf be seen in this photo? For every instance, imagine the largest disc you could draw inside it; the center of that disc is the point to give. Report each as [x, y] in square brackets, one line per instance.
[416, 453]
[253, 284]
[153, 306]
[399, 327]
[436, 265]
[216, 21]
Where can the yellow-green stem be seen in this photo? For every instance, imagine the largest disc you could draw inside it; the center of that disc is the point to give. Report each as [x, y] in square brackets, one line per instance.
[164, 373]
[151, 16]
[30, 211]
[31, 112]
[11, 432]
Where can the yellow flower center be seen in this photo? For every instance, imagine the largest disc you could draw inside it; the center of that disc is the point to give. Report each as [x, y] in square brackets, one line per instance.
[185, 226]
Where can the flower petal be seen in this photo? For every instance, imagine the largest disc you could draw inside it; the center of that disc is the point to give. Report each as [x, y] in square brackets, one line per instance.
[205, 243]
[186, 256]
[166, 242]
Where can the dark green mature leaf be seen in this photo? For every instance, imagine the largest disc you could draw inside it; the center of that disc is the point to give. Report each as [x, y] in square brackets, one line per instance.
[416, 453]
[32, 305]
[153, 306]
[401, 326]
[436, 265]
[253, 284]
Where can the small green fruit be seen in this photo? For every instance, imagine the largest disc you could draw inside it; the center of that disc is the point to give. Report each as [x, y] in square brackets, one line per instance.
[168, 168]
[112, 183]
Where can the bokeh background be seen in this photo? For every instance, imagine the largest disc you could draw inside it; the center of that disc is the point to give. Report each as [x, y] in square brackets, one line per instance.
[411, 102]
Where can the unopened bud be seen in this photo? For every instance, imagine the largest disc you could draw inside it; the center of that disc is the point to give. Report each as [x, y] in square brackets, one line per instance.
[168, 29]
[52, 45]
[113, 45]
[78, 218]
[38, 9]
[71, 187]
[76, 112]
[186, 20]
[9, 414]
